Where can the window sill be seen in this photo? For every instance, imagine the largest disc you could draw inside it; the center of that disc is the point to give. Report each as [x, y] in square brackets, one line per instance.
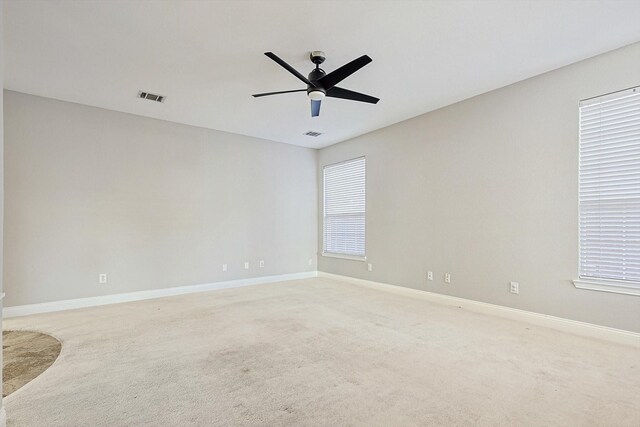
[342, 256]
[602, 285]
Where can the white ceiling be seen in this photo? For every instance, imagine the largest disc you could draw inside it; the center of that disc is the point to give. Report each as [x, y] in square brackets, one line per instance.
[207, 57]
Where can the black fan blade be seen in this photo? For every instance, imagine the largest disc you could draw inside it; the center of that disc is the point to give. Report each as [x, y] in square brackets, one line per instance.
[289, 68]
[315, 108]
[258, 95]
[336, 76]
[338, 92]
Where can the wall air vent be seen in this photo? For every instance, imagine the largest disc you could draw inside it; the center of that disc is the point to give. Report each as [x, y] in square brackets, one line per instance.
[151, 96]
[312, 133]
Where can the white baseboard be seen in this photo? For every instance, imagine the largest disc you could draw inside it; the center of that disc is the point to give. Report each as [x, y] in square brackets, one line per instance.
[558, 323]
[46, 307]
[572, 326]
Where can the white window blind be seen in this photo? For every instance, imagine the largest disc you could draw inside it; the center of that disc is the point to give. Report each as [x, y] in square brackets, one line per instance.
[344, 208]
[609, 194]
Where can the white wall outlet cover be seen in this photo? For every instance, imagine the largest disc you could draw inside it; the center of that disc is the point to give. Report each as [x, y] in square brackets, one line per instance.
[224, 267]
[429, 275]
[246, 265]
[261, 263]
[447, 278]
[370, 267]
[514, 287]
[310, 261]
[102, 278]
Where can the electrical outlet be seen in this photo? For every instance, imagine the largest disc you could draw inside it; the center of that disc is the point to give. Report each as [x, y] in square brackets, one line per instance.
[447, 278]
[310, 261]
[261, 263]
[224, 267]
[246, 265]
[102, 278]
[514, 287]
[369, 267]
[429, 275]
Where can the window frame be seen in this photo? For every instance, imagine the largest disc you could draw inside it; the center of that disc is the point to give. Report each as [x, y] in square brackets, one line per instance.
[626, 287]
[325, 253]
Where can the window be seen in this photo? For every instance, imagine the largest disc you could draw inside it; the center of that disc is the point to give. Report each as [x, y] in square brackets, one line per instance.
[344, 209]
[609, 193]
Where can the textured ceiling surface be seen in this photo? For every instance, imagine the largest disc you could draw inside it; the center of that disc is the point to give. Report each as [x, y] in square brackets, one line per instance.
[207, 57]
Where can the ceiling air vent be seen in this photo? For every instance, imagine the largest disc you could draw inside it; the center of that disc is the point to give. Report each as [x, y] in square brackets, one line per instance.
[151, 96]
[313, 134]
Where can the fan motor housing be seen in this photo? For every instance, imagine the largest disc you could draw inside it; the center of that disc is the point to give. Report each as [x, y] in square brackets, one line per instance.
[316, 74]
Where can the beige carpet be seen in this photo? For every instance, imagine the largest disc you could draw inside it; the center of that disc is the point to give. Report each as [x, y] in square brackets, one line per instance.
[319, 352]
[25, 355]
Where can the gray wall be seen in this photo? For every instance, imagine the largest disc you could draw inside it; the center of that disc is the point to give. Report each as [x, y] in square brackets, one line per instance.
[2, 411]
[153, 204]
[486, 190]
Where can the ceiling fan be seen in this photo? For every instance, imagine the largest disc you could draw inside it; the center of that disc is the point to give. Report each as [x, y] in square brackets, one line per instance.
[321, 84]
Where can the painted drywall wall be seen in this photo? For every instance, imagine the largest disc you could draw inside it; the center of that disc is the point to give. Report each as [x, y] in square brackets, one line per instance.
[486, 190]
[3, 417]
[152, 204]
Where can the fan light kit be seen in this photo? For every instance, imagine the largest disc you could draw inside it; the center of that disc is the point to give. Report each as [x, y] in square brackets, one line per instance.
[316, 95]
[320, 84]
